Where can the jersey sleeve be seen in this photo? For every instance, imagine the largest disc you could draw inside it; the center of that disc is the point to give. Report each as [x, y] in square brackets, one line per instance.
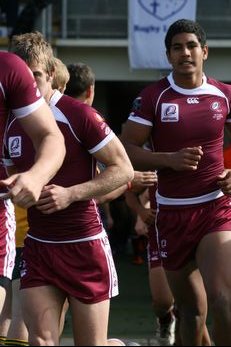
[19, 87]
[94, 132]
[142, 108]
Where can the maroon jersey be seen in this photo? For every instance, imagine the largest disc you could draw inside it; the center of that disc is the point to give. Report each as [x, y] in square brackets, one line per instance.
[85, 132]
[185, 118]
[18, 91]
[19, 95]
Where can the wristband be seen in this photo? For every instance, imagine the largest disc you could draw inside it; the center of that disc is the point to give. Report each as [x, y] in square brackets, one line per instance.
[129, 185]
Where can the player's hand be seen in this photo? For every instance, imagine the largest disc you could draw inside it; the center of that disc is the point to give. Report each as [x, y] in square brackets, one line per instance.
[186, 159]
[22, 188]
[53, 198]
[144, 178]
[224, 182]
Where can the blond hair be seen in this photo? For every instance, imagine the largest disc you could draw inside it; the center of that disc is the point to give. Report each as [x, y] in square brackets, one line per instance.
[61, 76]
[34, 49]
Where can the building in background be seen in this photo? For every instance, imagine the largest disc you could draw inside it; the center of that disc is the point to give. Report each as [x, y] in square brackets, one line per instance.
[96, 33]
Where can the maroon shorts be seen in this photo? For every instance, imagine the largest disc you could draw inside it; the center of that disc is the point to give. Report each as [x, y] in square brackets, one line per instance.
[154, 259]
[7, 238]
[181, 228]
[84, 270]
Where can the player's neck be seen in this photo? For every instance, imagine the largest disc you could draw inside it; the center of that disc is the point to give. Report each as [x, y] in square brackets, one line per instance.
[189, 81]
[49, 95]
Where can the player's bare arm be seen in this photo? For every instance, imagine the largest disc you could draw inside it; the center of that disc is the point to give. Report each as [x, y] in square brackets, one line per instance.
[135, 135]
[24, 188]
[117, 173]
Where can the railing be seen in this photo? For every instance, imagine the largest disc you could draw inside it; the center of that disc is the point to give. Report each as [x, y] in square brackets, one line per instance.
[104, 19]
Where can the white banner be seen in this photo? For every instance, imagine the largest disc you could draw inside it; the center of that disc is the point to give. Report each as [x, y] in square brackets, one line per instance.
[148, 22]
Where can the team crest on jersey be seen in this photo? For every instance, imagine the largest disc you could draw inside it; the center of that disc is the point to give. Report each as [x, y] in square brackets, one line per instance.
[169, 112]
[216, 106]
[217, 109]
[15, 146]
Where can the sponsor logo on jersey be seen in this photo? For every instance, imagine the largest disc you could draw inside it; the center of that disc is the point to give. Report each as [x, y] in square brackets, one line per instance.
[15, 146]
[169, 112]
[193, 100]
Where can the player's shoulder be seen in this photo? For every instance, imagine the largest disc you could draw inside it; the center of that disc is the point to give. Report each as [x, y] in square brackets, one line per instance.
[10, 58]
[153, 90]
[222, 86]
[75, 103]
[75, 108]
[156, 86]
[12, 68]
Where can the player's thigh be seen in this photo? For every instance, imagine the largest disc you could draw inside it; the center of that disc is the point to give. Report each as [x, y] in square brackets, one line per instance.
[5, 307]
[188, 288]
[5, 295]
[90, 322]
[42, 307]
[16, 302]
[213, 256]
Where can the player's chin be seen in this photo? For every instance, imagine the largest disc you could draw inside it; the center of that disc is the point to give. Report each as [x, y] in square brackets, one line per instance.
[186, 68]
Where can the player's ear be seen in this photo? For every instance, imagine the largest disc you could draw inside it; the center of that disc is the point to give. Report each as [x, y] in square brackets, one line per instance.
[205, 52]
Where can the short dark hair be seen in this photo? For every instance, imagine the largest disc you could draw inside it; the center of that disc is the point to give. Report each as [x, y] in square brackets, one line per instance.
[185, 26]
[81, 78]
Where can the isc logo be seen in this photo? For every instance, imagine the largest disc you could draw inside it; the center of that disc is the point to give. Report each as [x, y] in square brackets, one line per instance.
[193, 100]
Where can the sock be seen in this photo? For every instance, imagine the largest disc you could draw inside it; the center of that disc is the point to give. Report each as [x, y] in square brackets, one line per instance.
[112, 341]
[16, 342]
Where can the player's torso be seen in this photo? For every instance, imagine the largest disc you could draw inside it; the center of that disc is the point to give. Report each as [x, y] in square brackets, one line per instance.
[186, 118]
[78, 167]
